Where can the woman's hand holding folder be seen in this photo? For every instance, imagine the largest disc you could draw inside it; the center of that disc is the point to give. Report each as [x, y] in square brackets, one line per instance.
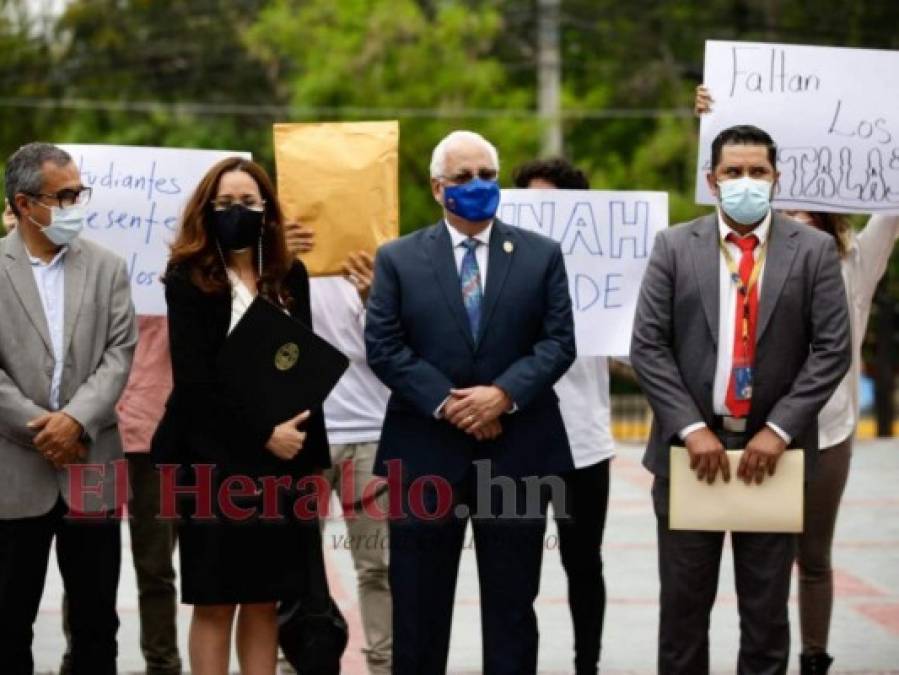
[287, 440]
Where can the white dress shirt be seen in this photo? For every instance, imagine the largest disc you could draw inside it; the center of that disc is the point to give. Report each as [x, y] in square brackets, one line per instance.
[481, 253]
[727, 308]
[727, 298]
[51, 286]
[354, 411]
[862, 267]
[585, 405]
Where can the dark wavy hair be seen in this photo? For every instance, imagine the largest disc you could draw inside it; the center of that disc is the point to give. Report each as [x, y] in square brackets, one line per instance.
[558, 171]
[836, 225]
[196, 252]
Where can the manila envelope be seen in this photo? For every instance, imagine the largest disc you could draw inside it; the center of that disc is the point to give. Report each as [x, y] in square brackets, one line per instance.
[341, 179]
[774, 506]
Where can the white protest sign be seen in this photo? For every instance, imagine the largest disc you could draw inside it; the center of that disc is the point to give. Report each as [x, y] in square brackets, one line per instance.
[606, 238]
[137, 197]
[833, 113]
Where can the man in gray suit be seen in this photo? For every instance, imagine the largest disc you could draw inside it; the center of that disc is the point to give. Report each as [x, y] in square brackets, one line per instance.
[67, 338]
[740, 336]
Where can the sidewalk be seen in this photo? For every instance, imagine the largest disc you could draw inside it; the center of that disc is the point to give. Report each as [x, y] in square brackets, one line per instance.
[864, 636]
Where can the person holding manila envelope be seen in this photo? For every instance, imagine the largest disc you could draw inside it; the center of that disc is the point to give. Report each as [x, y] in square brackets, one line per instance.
[741, 335]
[339, 184]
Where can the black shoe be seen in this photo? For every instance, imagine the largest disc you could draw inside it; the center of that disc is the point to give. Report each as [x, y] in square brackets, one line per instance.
[815, 664]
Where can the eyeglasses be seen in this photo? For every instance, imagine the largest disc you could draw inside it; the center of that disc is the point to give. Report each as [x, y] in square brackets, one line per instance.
[66, 198]
[225, 203]
[466, 176]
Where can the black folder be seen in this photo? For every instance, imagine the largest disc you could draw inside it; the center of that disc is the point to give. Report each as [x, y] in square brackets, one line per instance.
[276, 366]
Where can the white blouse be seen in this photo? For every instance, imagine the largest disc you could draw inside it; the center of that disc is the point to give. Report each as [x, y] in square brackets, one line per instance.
[864, 265]
[241, 299]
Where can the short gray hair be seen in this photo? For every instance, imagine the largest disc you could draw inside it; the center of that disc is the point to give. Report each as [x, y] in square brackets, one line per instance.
[438, 157]
[23, 169]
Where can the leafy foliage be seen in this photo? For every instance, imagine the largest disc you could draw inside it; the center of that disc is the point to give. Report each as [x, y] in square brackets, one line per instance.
[218, 73]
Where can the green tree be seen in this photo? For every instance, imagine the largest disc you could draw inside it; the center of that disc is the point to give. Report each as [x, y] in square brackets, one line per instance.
[162, 72]
[426, 63]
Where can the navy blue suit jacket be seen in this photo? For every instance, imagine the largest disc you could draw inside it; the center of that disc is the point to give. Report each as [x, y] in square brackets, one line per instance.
[420, 345]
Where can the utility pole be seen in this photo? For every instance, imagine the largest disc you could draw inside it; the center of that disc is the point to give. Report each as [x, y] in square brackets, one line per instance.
[549, 75]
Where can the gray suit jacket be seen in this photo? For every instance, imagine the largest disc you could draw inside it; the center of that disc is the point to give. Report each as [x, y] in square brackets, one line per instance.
[802, 338]
[99, 339]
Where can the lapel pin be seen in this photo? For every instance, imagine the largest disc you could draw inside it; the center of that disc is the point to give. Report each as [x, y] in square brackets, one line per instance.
[508, 246]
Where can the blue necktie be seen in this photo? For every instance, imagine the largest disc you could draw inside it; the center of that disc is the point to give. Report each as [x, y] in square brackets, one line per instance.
[470, 278]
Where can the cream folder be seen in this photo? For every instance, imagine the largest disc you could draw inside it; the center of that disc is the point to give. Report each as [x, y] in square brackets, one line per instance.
[773, 506]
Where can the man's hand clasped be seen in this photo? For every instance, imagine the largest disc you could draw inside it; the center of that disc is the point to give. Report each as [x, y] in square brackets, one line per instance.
[58, 438]
[476, 410]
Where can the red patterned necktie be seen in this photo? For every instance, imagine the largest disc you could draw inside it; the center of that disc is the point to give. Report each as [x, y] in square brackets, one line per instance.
[744, 346]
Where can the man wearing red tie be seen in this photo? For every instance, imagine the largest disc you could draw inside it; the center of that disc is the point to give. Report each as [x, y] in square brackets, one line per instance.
[741, 335]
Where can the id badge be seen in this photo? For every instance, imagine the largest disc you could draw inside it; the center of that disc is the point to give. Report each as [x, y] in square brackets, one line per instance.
[742, 374]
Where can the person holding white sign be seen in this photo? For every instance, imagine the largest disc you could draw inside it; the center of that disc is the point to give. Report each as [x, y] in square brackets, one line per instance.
[863, 261]
[740, 337]
[585, 406]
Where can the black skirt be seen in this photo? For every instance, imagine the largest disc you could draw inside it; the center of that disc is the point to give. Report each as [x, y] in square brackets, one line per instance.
[227, 560]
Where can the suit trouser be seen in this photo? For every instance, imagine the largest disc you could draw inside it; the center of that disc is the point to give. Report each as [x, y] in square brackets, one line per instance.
[580, 542]
[368, 546]
[689, 563]
[822, 502]
[152, 548]
[424, 565]
[88, 554]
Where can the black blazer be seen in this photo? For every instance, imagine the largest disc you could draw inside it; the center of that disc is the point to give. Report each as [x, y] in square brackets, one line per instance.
[200, 424]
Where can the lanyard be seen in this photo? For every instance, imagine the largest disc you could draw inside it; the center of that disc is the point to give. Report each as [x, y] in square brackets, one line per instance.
[744, 290]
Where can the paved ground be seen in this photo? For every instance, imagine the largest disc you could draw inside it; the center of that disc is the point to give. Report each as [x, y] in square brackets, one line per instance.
[865, 634]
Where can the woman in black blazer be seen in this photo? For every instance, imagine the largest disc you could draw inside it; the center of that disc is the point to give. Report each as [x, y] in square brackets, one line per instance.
[230, 248]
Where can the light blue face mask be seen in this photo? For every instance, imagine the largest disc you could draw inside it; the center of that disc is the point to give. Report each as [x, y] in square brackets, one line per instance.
[746, 200]
[65, 224]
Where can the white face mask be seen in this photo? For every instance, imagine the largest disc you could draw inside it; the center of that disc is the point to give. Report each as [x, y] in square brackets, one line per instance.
[746, 200]
[65, 224]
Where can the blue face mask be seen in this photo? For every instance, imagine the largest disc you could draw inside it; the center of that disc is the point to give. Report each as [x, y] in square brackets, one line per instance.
[746, 200]
[476, 200]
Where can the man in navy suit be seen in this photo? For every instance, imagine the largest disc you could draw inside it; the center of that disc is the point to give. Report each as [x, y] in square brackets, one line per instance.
[469, 324]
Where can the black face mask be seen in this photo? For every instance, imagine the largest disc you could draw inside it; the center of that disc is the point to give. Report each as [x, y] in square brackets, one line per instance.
[237, 227]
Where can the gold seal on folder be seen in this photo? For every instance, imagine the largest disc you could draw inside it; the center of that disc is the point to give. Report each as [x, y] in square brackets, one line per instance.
[287, 356]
